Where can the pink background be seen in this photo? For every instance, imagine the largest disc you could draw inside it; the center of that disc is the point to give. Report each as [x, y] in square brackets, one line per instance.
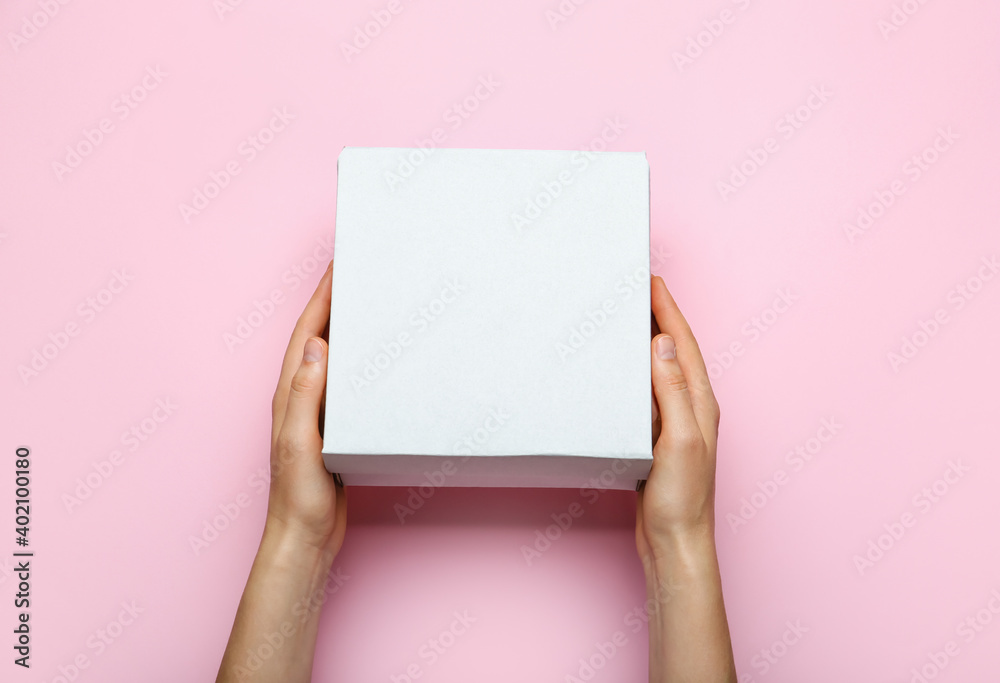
[824, 356]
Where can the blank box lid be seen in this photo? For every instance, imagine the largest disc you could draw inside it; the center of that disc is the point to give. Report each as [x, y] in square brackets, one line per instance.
[491, 307]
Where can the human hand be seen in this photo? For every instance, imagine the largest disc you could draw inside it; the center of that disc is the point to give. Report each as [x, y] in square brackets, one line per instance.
[305, 503]
[677, 501]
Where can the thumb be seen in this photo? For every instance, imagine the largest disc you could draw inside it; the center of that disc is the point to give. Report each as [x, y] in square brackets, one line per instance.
[306, 393]
[671, 389]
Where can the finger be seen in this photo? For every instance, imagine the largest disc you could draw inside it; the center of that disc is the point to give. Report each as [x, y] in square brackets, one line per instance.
[670, 320]
[670, 386]
[311, 323]
[300, 428]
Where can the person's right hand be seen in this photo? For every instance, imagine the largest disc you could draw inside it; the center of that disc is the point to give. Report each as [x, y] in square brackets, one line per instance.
[678, 498]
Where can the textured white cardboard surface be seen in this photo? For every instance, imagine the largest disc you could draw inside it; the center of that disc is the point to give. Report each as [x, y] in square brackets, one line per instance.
[490, 319]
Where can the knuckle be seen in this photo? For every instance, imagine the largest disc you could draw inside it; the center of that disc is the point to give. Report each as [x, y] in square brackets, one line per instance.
[688, 440]
[675, 381]
[289, 442]
[302, 383]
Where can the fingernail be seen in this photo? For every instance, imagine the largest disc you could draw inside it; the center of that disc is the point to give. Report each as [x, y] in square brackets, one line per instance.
[313, 351]
[665, 348]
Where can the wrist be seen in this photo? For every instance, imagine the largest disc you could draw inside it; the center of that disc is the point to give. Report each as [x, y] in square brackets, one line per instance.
[680, 569]
[283, 545]
[682, 554]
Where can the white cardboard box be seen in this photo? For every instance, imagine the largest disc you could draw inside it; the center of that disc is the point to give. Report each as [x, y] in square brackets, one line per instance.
[490, 319]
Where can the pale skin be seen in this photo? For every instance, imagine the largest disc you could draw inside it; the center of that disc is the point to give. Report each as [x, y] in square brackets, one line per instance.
[675, 512]
[307, 517]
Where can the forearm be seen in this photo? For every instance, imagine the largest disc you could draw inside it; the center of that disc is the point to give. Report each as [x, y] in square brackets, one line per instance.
[688, 633]
[274, 634]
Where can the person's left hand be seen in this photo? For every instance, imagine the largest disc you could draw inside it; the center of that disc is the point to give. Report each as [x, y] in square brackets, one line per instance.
[305, 502]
